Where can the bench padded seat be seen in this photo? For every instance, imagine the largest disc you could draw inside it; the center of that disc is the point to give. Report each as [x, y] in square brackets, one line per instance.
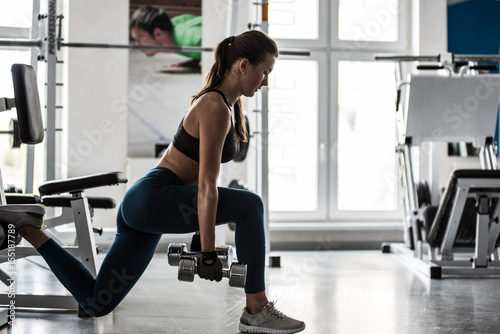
[78, 184]
[59, 201]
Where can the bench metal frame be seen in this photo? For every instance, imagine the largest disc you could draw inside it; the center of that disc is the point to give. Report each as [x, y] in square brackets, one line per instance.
[84, 249]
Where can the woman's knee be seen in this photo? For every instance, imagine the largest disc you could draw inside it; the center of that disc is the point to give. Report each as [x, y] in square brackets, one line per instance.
[98, 307]
[255, 204]
[251, 230]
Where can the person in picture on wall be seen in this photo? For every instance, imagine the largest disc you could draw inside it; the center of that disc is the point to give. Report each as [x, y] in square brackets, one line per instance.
[150, 25]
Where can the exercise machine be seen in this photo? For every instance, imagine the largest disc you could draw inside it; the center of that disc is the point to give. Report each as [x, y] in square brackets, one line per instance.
[457, 235]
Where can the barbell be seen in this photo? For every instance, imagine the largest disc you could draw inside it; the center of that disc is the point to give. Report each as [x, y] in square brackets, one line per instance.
[40, 44]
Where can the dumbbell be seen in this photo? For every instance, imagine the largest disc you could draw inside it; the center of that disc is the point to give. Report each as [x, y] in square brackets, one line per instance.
[188, 268]
[177, 250]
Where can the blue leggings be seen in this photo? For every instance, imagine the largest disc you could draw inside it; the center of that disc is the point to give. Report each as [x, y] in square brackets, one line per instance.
[156, 204]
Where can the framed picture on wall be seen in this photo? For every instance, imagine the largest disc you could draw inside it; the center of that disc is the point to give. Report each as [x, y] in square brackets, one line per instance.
[161, 82]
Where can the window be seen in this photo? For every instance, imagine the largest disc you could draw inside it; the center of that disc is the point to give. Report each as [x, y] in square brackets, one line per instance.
[294, 19]
[293, 136]
[16, 13]
[366, 137]
[368, 20]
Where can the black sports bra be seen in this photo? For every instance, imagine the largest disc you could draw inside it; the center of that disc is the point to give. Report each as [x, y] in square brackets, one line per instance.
[190, 146]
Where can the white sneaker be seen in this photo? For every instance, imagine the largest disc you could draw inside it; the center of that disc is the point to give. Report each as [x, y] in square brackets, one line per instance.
[22, 215]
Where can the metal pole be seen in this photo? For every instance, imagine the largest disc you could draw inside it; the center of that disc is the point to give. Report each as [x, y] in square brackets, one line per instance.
[136, 47]
[304, 53]
[410, 181]
[39, 44]
[408, 58]
[233, 24]
[51, 59]
[476, 58]
[265, 140]
[21, 42]
[299, 53]
[30, 154]
[456, 58]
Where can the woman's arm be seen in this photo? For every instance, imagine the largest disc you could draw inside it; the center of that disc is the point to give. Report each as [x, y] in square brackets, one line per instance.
[213, 125]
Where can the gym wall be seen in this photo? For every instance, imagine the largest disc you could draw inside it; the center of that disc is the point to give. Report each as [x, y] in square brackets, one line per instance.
[474, 28]
[95, 83]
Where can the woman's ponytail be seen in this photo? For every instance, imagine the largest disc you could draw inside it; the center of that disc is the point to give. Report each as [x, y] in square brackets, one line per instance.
[253, 45]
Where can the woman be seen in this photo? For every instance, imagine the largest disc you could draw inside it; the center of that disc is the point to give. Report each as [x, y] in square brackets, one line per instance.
[180, 195]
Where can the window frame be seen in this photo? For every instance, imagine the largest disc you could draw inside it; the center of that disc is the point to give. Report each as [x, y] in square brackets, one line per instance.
[311, 44]
[334, 213]
[321, 212]
[363, 46]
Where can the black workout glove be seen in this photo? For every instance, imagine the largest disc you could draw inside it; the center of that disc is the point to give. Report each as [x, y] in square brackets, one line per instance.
[211, 271]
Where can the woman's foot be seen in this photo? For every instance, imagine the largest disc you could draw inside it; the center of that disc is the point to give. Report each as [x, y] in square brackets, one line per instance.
[269, 320]
[22, 215]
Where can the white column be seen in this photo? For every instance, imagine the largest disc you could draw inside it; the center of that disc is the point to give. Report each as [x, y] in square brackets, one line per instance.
[96, 87]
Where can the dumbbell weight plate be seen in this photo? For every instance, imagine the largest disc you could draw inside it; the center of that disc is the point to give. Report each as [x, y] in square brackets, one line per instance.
[15, 136]
[237, 275]
[225, 254]
[187, 269]
[175, 251]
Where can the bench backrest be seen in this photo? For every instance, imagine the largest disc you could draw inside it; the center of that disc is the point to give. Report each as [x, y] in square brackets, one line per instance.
[29, 113]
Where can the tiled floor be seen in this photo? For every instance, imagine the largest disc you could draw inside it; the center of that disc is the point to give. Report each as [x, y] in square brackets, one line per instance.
[332, 291]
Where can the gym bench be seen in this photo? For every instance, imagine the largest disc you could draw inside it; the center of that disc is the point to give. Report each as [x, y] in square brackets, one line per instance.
[68, 194]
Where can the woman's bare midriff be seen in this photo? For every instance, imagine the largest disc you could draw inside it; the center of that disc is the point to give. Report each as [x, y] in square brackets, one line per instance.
[185, 168]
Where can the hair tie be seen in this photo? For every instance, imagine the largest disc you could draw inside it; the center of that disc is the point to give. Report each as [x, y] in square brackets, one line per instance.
[231, 40]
